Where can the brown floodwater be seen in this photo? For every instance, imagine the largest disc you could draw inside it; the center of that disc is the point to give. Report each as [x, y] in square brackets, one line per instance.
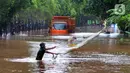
[13, 49]
[100, 55]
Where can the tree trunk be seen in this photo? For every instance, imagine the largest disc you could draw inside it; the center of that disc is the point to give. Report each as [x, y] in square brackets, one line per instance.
[0, 32]
[126, 34]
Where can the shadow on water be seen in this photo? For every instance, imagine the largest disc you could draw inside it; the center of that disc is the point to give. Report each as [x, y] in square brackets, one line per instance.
[101, 55]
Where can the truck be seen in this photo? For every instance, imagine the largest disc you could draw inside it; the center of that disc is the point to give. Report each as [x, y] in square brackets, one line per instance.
[62, 25]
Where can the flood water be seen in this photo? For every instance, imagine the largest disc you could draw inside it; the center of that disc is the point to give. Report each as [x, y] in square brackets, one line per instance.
[100, 55]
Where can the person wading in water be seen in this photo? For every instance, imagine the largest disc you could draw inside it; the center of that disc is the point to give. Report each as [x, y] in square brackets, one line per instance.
[43, 50]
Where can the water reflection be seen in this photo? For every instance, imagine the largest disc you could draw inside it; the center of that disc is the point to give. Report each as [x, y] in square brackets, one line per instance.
[48, 67]
[41, 66]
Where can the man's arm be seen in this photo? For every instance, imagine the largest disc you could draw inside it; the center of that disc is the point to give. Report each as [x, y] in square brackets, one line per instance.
[50, 48]
[50, 52]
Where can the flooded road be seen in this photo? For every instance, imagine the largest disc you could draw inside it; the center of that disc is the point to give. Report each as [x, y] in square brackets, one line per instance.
[13, 49]
[101, 55]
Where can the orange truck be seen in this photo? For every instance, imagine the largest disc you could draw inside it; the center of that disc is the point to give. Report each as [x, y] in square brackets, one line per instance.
[62, 25]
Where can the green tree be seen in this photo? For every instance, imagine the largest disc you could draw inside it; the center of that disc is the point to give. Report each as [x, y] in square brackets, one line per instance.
[123, 21]
[39, 9]
[99, 7]
[8, 9]
[45, 9]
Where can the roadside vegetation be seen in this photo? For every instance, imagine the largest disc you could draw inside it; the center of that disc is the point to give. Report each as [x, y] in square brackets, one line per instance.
[37, 10]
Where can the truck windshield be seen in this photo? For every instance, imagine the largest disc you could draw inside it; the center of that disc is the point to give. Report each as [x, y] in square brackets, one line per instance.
[60, 26]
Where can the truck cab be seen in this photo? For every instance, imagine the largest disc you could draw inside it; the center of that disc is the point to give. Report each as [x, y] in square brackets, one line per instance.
[61, 25]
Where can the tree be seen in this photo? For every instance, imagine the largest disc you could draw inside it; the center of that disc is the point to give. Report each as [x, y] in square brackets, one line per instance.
[45, 9]
[99, 7]
[123, 21]
[38, 10]
[9, 9]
